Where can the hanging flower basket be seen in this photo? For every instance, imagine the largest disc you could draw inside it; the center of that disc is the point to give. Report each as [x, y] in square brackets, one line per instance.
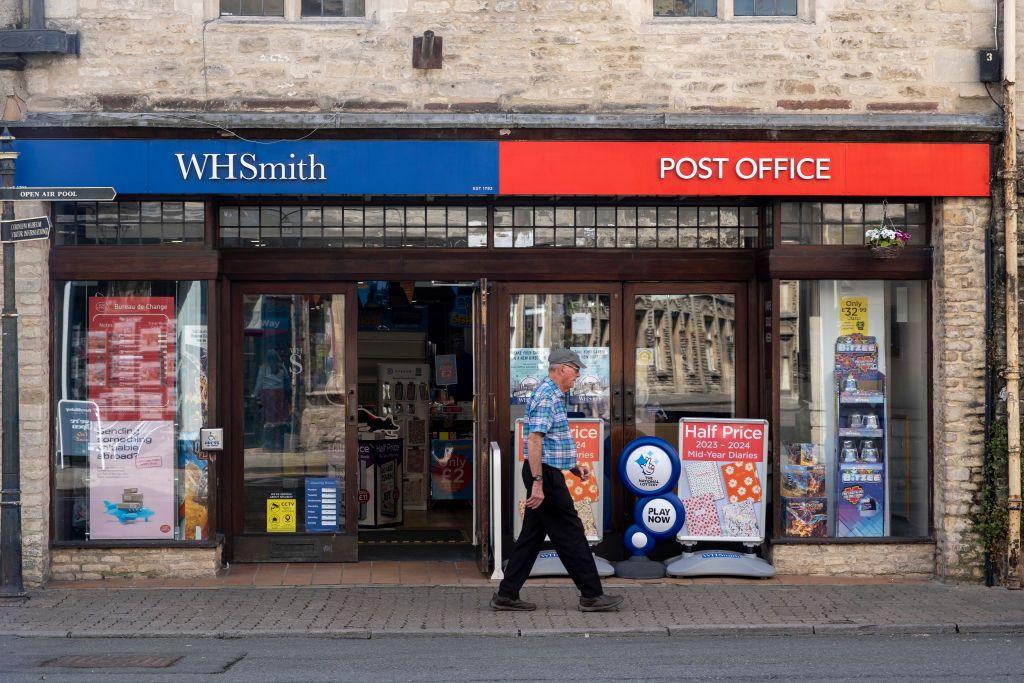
[888, 251]
[886, 241]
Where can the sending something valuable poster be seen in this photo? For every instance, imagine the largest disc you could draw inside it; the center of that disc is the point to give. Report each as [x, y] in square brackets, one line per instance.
[131, 480]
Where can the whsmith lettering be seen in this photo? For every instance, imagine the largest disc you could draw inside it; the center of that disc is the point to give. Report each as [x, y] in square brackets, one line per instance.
[216, 166]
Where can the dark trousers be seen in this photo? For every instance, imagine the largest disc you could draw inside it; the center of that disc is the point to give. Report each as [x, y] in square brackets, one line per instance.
[556, 517]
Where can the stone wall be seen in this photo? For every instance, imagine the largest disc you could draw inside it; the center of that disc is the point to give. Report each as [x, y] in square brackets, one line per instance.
[958, 320]
[520, 55]
[85, 564]
[32, 287]
[909, 560]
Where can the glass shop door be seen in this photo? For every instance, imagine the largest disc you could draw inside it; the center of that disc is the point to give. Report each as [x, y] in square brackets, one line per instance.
[292, 469]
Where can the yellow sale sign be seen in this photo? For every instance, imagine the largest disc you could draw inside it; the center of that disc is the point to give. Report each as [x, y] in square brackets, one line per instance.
[853, 315]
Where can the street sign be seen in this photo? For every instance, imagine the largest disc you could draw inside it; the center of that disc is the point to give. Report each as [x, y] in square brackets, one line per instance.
[24, 229]
[57, 194]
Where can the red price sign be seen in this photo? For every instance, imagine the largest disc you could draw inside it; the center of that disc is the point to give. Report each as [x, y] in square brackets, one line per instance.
[723, 440]
[454, 475]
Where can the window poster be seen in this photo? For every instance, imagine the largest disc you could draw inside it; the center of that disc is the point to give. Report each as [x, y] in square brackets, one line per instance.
[594, 383]
[131, 480]
[528, 367]
[853, 315]
[131, 371]
[131, 357]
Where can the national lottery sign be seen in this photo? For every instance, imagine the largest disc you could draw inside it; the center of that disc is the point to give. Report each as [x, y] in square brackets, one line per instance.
[723, 479]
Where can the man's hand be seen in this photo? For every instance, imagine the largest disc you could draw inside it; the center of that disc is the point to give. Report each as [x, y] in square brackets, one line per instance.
[584, 469]
[536, 495]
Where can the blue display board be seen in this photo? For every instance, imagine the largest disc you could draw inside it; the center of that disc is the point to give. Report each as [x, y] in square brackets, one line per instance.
[309, 167]
[323, 503]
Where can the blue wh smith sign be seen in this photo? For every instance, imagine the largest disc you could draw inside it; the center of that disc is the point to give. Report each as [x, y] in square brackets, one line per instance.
[308, 167]
[247, 166]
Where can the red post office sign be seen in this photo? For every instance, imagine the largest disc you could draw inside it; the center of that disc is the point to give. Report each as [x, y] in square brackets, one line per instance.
[786, 169]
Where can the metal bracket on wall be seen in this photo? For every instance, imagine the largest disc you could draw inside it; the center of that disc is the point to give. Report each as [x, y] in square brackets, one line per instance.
[427, 51]
[15, 43]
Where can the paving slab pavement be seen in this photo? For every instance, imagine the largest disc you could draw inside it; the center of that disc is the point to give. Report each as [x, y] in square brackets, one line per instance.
[362, 612]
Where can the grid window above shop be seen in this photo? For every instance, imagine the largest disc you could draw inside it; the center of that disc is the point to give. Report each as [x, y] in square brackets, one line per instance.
[765, 8]
[835, 223]
[627, 227]
[128, 223]
[353, 226]
[685, 8]
[333, 8]
[252, 8]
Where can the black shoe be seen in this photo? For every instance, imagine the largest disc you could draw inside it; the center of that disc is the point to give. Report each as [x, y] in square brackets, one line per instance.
[500, 604]
[602, 603]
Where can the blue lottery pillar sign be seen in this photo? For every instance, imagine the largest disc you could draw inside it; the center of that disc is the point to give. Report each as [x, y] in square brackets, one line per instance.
[649, 467]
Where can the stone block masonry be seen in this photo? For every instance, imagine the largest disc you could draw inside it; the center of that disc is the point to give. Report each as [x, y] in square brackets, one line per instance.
[85, 564]
[843, 56]
[32, 287]
[904, 560]
[958, 380]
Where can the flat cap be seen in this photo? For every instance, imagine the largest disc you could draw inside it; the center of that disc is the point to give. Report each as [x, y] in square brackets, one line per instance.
[564, 357]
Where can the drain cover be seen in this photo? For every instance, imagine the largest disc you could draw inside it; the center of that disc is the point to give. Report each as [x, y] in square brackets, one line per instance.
[113, 661]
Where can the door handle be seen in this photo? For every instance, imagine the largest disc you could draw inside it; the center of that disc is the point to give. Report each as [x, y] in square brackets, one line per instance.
[351, 405]
[616, 404]
[630, 407]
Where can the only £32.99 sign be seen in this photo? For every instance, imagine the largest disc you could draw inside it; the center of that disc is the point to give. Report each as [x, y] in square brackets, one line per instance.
[723, 479]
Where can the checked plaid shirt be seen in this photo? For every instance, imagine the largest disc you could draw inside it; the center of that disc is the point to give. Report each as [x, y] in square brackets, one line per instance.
[545, 413]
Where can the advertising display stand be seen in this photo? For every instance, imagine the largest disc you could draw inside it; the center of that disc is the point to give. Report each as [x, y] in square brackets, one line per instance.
[721, 488]
[404, 394]
[860, 501]
[649, 467]
[380, 481]
[588, 496]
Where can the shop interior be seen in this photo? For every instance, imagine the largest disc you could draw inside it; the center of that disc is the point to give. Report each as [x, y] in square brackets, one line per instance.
[415, 392]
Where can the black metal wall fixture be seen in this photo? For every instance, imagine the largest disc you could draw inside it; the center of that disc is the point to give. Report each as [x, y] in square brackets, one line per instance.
[16, 43]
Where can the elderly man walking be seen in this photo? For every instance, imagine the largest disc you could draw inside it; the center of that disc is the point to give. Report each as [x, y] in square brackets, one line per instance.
[549, 508]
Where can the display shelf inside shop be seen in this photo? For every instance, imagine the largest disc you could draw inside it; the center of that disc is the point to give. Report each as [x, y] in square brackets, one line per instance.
[860, 501]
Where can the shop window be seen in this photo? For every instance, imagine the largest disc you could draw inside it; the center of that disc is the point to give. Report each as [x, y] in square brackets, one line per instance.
[131, 392]
[836, 223]
[765, 8]
[127, 223]
[252, 8]
[353, 226]
[627, 227]
[854, 410]
[685, 8]
[333, 8]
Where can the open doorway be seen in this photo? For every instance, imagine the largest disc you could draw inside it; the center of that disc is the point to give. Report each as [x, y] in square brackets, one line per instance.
[415, 397]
